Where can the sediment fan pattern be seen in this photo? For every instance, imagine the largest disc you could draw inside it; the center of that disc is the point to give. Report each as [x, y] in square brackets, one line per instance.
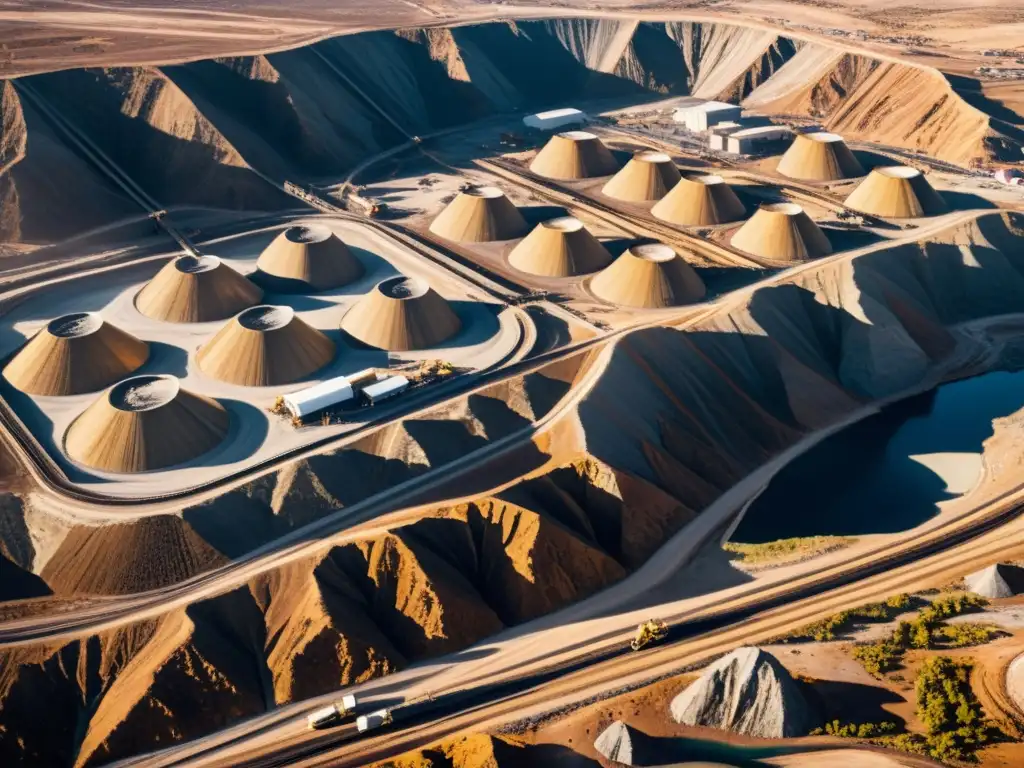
[74, 354]
[196, 289]
[649, 276]
[308, 258]
[146, 423]
[480, 215]
[707, 404]
[265, 346]
[700, 200]
[782, 232]
[402, 314]
[574, 155]
[897, 192]
[560, 247]
[820, 156]
[647, 176]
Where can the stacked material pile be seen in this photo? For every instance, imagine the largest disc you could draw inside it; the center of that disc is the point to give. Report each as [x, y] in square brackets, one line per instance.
[308, 259]
[648, 176]
[196, 289]
[402, 314]
[265, 346]
[897, 192]
[782, 232]
[623, 745]
[747, 691]
[649, 276]
[74, 354]
[480, 215]
[820, 157]
[700, 200]
[146, 423]
[560, 247]
[574, 155]
[997, 581]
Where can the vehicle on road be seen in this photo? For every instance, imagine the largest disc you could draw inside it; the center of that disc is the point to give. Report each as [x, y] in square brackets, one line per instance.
[373, 720]
[325, 717]
[651, 631]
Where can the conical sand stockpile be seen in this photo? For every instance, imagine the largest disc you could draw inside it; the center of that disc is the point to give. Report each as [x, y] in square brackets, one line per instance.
[649, 276]
[480, 215]
[146, 423]
[820, 157]
[574, 155]
[75, 354]
[700, 200]
[559, 247]
[782, 232]
[308, 258]
[196, 289]
[402, 314]
[265, 346]
[896, 192]
[648, 176]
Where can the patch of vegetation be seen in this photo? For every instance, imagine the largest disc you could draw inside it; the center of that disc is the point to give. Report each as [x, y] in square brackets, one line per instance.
[838, 624]
[927, 630]
[950, 711]
[786, 549]
[856, 730]
[964, 635]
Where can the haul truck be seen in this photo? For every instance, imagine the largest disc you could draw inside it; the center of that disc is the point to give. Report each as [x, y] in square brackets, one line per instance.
[651, 631]
[373, 720]
[332, 715]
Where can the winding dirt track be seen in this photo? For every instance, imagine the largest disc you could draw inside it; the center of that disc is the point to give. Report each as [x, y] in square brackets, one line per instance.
[593, 669]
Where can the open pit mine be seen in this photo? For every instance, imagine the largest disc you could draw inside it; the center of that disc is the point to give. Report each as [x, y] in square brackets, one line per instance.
[470, 386]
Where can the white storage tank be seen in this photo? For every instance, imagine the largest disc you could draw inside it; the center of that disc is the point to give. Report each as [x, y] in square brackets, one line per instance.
[382, 390]
[323, 395]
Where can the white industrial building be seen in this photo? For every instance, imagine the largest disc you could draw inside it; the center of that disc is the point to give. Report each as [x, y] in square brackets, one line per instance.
[737, 140]
[700, 117]
[334, 391]
[382, 390]
[556, 118]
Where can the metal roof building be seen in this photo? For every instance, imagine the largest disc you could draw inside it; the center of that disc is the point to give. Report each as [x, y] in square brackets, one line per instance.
[382, 390]
[747, 141]
[700, 117]
[323, 395]
[555, 118]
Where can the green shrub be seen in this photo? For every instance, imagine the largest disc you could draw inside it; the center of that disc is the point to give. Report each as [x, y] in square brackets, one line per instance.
[879, 657]
[839, 623]
[963, 635]
[855, 730]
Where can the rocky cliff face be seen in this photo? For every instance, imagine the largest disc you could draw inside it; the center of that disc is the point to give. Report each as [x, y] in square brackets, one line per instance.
[204, 133]
[747, 691]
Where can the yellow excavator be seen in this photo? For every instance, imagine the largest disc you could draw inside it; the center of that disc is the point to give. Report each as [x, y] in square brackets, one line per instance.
[651, 631]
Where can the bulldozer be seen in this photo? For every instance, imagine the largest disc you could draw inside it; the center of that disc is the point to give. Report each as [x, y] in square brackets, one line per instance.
[651, 631]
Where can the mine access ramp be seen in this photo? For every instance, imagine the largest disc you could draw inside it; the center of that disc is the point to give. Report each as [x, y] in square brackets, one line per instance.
[334, 714]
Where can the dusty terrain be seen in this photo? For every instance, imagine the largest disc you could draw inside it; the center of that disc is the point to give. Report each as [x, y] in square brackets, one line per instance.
[581, 472]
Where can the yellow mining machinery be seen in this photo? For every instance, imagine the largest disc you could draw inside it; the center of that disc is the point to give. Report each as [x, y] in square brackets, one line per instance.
[651, 631]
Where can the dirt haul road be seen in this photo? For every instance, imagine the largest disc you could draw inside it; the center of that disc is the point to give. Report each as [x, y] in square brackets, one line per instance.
[324, 533]
[590, 669]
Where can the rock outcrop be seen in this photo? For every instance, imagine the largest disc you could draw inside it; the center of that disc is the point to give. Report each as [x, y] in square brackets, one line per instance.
[996, 581]
[749, 692]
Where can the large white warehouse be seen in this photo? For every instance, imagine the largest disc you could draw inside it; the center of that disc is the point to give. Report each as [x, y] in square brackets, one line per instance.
[555, 118]
[700, 117]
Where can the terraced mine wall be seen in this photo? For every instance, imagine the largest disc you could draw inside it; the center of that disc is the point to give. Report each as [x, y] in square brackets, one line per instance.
[676, 416]
[206, 133]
